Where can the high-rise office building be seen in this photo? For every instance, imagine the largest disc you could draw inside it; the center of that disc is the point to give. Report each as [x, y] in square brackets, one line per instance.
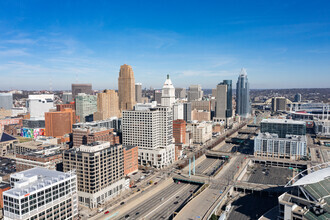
[154, 136]
[278, 104]
[107, 105]
[100, 171]
[126, 88]
[86, 105]
[59, 123]
[177, 111]
[297, 97]
[224, 109]
[81, 88]
[187, 111]
[37, 105]
[39, 193]
[180, 93]
[158, 96]
[138, 92]
[6, 101]
[168, 93]
[195, 93]
[243, 105]
[221, 105]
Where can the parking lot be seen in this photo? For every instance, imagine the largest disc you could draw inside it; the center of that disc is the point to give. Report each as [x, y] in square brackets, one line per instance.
[269, 175]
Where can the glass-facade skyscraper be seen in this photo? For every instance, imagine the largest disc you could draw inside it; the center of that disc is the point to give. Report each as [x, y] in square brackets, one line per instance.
[229, 109]
[243, 105]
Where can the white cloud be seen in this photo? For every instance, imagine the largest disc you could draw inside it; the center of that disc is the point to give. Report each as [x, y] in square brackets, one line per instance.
[13, 53]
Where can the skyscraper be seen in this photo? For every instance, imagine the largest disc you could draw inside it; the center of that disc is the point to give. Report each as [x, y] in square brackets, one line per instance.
[126, 88]
[168, 93]
[107, 105]
[243, 105]
[86, 105]
[221, 105]
[81, 88]
[195, 93]
[138, 92]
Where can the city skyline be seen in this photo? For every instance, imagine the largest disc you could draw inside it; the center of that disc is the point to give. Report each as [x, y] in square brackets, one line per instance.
[43, 43]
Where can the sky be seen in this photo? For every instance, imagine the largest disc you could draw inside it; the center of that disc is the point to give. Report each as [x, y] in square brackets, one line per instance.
[51, 44]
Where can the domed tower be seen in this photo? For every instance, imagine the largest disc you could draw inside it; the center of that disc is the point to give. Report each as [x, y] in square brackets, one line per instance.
[126, 88]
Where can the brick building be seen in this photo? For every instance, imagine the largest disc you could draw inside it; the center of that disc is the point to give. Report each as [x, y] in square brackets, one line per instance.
[59, 123]
[179, 135]
[13, 129]
[130, 159]
[49, 158]
[86, 136]
[61, 107]
[179, 132]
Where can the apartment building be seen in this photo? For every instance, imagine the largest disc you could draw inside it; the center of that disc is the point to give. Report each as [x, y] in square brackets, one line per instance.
[40, 193]
[271, 145]
[100, 171]
[151, 129]
[282, 127]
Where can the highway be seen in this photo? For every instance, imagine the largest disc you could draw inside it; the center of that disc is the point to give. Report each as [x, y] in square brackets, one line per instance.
[162, 203]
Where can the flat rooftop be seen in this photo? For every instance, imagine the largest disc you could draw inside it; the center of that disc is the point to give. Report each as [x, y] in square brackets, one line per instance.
[34, 179]
[282, 121]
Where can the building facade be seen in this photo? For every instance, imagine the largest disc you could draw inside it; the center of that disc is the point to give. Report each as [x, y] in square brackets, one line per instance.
[100, 171]
[81, 88]
[180, 93]
[187, 111]
[270, 145]
[195, 93]
[152, 131]
[131, 156]
[40, 193]
[89, 135]
[59, 123]
[178, 111]
[6, 101]
[179, 132]
[126, 88]
[138, 92]
[282, 127]
[86, 105]
[37, 105]
[201, 131]
[168, 93]
[243, 105]
[279, 104]
[107, 105]
[221, 105]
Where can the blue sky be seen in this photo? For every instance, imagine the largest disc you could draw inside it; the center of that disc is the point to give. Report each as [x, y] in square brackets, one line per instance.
[282, 44]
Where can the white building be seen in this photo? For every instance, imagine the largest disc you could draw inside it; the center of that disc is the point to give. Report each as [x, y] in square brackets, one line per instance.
[290, 147]
[40, 193]
[168, 93]
[178, 111]
[37, 105]
[201, 131]
[322, 127]
[152, 131]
